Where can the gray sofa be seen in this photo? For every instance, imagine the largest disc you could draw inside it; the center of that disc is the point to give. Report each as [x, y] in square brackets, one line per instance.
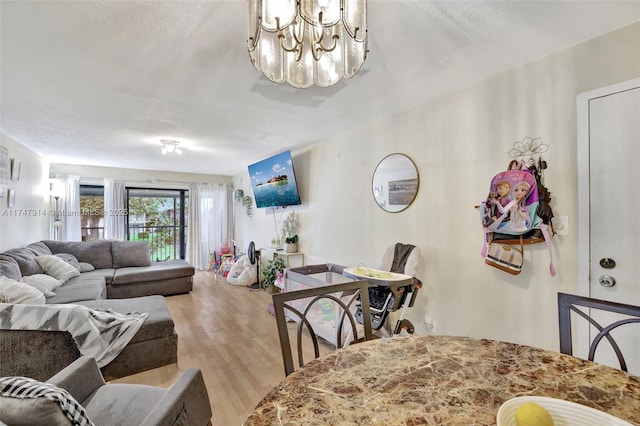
[116, 275]
[126, 267]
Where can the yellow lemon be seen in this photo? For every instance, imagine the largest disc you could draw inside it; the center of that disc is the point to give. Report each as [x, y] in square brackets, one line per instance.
[532, 414]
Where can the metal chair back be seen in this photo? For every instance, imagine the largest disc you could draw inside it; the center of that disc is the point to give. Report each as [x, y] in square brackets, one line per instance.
[568, 303]
[346, 296]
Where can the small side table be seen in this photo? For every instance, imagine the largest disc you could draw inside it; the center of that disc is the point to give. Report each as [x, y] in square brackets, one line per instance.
[287, 256]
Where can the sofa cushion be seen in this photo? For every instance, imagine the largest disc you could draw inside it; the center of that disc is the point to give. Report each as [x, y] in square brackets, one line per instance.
[34, 409]
[85, 267]
[97, 253]
[9, 267]
[130, 253]
[39, 248]
[58, 268]
[70, 259]
[17, 292]
[81, 288]
[169, 269]
[107, 274]
[157, 325]
[26, 260]
[43, 282]
[122, 404]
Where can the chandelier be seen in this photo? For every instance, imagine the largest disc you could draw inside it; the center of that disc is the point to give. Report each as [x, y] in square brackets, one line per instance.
[307, 42]
[169, 145]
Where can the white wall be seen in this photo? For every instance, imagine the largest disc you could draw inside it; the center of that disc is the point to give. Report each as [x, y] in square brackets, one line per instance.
[144, 178]
[458, 143]
[29, 220]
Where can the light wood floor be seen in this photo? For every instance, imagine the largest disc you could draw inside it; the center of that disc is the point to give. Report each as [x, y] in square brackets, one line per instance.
[227, 332]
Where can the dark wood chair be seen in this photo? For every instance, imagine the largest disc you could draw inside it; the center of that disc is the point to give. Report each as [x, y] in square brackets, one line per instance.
[568, 303]
[343, 297]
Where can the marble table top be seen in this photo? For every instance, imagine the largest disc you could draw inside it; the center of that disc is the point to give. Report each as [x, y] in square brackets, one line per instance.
[437, 380]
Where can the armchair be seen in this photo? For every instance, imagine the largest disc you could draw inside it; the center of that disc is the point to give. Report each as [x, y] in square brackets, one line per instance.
[186, 402]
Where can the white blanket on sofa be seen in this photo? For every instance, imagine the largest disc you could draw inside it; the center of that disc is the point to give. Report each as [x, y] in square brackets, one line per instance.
[98, 333]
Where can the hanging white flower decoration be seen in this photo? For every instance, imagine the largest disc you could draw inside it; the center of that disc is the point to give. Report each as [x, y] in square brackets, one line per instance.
[528, 148]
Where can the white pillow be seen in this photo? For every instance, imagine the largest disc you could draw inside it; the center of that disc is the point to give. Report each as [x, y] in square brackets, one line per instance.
[43, 282]
[17, 292]
[56, 267]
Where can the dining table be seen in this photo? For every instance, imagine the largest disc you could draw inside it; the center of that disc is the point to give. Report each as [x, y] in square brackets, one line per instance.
[439, 380]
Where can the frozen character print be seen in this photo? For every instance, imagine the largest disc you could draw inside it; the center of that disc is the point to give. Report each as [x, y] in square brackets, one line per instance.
[519, 220]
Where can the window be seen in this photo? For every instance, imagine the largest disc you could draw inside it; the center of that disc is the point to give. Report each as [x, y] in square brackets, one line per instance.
[159, 217]
[91, 212]
[156, 215]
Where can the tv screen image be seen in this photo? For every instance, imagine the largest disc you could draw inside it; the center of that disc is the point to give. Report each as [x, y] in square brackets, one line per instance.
[274, 182]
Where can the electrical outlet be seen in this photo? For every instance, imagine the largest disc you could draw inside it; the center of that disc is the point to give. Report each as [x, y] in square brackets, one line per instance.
[430, 323]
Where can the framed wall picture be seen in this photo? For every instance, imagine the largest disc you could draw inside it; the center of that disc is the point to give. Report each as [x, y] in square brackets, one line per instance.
[11, 201]
[15, 169]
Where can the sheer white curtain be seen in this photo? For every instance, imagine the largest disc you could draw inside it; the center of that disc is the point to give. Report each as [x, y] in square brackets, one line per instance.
[67, 217]
[208, 222]
[113, 209]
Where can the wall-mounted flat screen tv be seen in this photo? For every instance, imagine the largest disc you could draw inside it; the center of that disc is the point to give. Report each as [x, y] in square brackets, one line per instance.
[274, 182]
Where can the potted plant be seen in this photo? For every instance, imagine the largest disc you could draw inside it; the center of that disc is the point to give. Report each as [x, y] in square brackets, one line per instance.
[246, 201]
[271, 271]
[289, 233]
[291, 244]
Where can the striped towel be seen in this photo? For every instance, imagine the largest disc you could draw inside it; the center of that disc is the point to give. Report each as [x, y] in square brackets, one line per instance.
[23, 388]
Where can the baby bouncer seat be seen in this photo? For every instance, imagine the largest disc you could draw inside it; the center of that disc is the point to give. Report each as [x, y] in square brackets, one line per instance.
[383, 299]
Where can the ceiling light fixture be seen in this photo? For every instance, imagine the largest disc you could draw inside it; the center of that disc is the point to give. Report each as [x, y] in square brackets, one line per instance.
[169, 145]
[307, 42]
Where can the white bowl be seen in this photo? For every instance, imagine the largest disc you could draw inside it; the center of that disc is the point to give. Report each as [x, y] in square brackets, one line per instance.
[563, 413]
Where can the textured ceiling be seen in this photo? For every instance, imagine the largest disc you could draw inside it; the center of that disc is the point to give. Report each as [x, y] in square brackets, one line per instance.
[101, 82]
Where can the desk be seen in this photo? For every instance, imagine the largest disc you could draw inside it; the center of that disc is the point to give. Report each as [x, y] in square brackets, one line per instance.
[286, 256]
[438, 380]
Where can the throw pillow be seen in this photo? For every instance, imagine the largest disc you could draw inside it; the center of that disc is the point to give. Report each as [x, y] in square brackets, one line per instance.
[9, 267]
[57, 268]
[86, 267]
[28, 401]
[70, 259]
[17, 292]
[15, 411]
[43, 282]
[130, 253]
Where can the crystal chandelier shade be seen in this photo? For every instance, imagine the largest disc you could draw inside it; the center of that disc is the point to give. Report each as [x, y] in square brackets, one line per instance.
[307, 42]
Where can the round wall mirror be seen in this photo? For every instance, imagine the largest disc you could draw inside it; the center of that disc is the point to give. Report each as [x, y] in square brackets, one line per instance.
[395, 182]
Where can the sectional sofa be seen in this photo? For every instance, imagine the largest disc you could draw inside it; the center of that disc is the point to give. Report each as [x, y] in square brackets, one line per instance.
[112, 275]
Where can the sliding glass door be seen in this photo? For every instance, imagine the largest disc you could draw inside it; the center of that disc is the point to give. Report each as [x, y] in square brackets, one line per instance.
[159, 217]
[156, 215]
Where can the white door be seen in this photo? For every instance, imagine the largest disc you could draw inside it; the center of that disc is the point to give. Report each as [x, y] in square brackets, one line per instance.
[611, 229]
